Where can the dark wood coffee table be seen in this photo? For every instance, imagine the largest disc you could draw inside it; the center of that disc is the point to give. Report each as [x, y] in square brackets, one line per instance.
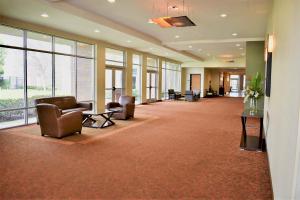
[90, 118]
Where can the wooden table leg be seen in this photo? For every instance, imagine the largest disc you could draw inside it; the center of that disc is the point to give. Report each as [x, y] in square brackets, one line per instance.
[107, 119]
[244, 131]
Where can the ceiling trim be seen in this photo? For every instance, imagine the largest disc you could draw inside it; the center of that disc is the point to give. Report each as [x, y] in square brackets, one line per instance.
[186, 42]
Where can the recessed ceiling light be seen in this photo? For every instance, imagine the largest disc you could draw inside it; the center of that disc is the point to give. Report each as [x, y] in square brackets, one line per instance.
[150, 21]
[128, 41]
[174, 7]
[96, 31]
[223, 15]
[177, 36]
[234, 34]
[111, 1]
[150, 48]
[45, 15]
[241, 48]
[190, 46]
[238, 45]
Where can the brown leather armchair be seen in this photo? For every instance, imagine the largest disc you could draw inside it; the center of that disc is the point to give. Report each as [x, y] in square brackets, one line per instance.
[127, 105]
[54, 124]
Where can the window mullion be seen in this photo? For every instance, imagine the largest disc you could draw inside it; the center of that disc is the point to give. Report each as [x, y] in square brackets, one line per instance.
[76, 62]
[25, 77]
[53, 66]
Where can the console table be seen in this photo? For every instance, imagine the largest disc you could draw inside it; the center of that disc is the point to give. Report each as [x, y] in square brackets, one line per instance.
[252, 143]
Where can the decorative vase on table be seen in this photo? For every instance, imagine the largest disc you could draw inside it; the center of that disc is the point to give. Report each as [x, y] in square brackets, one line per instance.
[253, 104]
[253, 93]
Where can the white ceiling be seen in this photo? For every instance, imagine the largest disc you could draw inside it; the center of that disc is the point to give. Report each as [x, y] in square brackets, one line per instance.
[127, 20]
[248, 18]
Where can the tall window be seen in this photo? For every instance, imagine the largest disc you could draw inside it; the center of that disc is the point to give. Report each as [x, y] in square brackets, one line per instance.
[137, 78]
[171, 78]
[35, 65]
[114, 74]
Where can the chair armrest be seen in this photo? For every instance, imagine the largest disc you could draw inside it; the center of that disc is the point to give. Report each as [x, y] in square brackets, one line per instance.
[70, 121]
[70, 116]
[88, 106]
[113, 105]
[129, 105]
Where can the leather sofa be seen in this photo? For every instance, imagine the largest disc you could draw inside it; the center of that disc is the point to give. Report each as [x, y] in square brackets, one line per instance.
[192, 96]
[126, 105]
[55, 124]
[65, 104]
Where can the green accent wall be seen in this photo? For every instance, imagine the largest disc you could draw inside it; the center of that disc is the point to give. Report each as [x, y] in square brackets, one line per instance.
[255, 59]
[255, 62]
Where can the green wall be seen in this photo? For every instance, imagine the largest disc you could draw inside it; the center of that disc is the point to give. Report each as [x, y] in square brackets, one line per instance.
[255, 62]
[255, 59]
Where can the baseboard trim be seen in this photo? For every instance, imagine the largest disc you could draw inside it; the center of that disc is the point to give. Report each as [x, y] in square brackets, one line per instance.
[269, 167]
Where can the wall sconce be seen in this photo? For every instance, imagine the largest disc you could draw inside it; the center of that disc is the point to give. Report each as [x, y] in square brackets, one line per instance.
[268, 58]
[270, 43]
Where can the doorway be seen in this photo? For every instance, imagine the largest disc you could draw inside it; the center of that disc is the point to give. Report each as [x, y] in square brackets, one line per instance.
[195, 82]
[114, 84]
[151, 86]
[234, 83]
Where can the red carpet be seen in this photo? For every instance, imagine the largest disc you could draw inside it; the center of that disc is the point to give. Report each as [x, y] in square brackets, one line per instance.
[190, 151]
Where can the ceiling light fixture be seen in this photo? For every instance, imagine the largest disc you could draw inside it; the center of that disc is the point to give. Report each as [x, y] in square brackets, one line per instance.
[177, 36]
[190, 46]
[45, 15]
[150, 21]
[241, 48]
[223, 15]
[238, 45]
[169, 17]
[96, 31]
[111, 1]
[128, 41]
[234, 34]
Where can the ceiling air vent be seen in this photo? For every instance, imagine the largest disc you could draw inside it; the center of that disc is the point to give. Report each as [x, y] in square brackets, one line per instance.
[230, 61]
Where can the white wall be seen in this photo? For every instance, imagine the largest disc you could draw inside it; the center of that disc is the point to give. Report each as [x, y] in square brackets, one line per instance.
[195, 70]
[282, 125]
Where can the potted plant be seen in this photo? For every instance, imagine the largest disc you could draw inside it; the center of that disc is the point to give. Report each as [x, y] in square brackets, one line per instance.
[254, 92]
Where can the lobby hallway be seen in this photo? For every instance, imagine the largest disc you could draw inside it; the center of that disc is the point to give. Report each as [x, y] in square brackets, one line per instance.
[190, 150]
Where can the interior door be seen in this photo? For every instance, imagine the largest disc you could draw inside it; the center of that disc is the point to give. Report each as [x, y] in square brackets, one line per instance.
[195, 82]
[114, 84]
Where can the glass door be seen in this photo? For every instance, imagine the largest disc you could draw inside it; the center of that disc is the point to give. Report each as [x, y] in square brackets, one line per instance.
[151, 86]
[234, 83]
[114, 85]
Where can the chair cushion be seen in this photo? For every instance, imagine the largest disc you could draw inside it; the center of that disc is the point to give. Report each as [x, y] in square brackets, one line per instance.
[73, 109]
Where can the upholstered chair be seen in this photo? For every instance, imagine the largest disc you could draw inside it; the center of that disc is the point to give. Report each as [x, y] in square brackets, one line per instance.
[126, 105]
[55, 124]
